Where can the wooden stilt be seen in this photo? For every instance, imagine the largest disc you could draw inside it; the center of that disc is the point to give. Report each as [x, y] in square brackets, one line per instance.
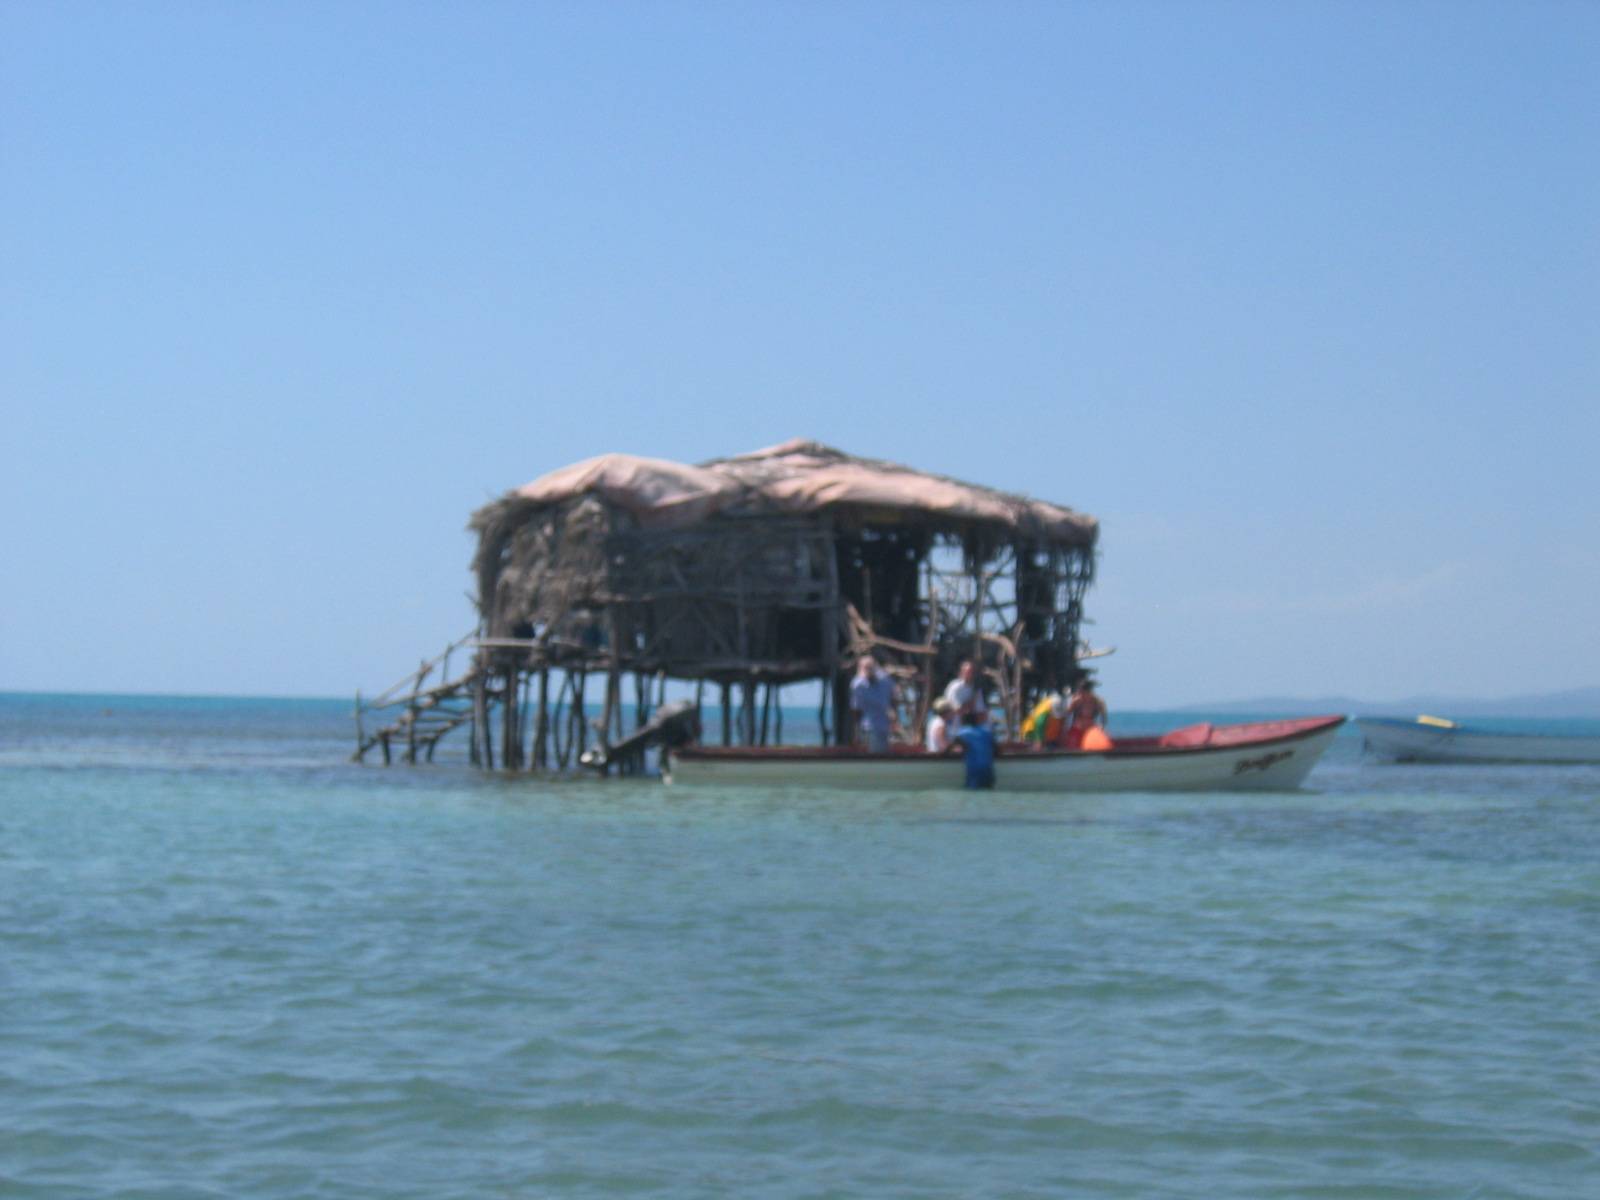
[618, 717]
[608, 707]
[580, 714]
[413, 710]
[541, 724]
[559, 733]
[480, 713]
[525, 722]
[510, 751]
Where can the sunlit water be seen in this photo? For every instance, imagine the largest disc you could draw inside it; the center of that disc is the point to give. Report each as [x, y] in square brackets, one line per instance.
[233, 965]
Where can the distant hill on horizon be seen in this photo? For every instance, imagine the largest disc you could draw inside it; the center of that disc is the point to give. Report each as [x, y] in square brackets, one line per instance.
[1579, 702]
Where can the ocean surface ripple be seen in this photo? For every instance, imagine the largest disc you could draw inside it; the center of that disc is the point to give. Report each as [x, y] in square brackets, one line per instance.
[234, 966]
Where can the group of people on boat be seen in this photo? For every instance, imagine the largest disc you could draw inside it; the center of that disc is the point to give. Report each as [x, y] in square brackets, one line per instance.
[1074, 720]
[959, 721]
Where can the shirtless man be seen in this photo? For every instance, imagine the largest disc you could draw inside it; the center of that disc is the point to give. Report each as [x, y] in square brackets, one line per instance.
[1084, 711]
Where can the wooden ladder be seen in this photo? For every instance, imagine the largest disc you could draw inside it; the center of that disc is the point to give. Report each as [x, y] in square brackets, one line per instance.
[418, 711]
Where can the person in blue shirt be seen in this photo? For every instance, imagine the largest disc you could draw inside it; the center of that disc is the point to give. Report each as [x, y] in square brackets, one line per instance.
[977, 750]
[872, 700]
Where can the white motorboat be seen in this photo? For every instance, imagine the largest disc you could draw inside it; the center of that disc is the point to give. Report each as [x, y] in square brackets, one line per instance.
[1437, 740]
[1255, 756]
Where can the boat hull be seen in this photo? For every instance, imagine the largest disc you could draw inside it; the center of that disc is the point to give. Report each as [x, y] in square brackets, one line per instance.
[1416, 741]
[1231, 760]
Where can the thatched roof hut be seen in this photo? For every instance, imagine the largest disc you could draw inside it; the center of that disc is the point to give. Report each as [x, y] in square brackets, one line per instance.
[777, 566]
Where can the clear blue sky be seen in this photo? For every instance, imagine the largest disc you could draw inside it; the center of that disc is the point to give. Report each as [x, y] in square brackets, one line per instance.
[1302, 300]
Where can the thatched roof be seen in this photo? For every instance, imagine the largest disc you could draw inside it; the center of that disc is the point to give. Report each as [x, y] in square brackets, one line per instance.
[795, 478]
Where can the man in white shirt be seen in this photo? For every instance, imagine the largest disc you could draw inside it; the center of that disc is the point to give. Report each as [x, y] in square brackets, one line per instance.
[966, 693]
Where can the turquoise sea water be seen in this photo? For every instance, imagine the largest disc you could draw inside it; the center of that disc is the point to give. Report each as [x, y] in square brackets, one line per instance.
[232, 965]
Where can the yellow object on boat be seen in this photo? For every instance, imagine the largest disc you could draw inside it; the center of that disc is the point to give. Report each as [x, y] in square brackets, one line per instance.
[1033, 727]
[1441, 722]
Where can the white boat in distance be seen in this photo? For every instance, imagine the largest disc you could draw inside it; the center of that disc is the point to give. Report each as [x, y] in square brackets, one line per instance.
[1257, 756]
[1436, 740]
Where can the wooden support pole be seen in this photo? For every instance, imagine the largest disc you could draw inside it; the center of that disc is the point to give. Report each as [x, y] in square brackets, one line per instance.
[925, 702]
[541, 724]
[608, 710]
[525, 721]
[831, 600]
[609, 706]
[980, 583]
[507, 703]
[618, 721]
[844, 718]
[510, 750]
[563, 743]
[615, 730]
[727, 715]
[412, 712]
[580, 714]
[480, 711]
